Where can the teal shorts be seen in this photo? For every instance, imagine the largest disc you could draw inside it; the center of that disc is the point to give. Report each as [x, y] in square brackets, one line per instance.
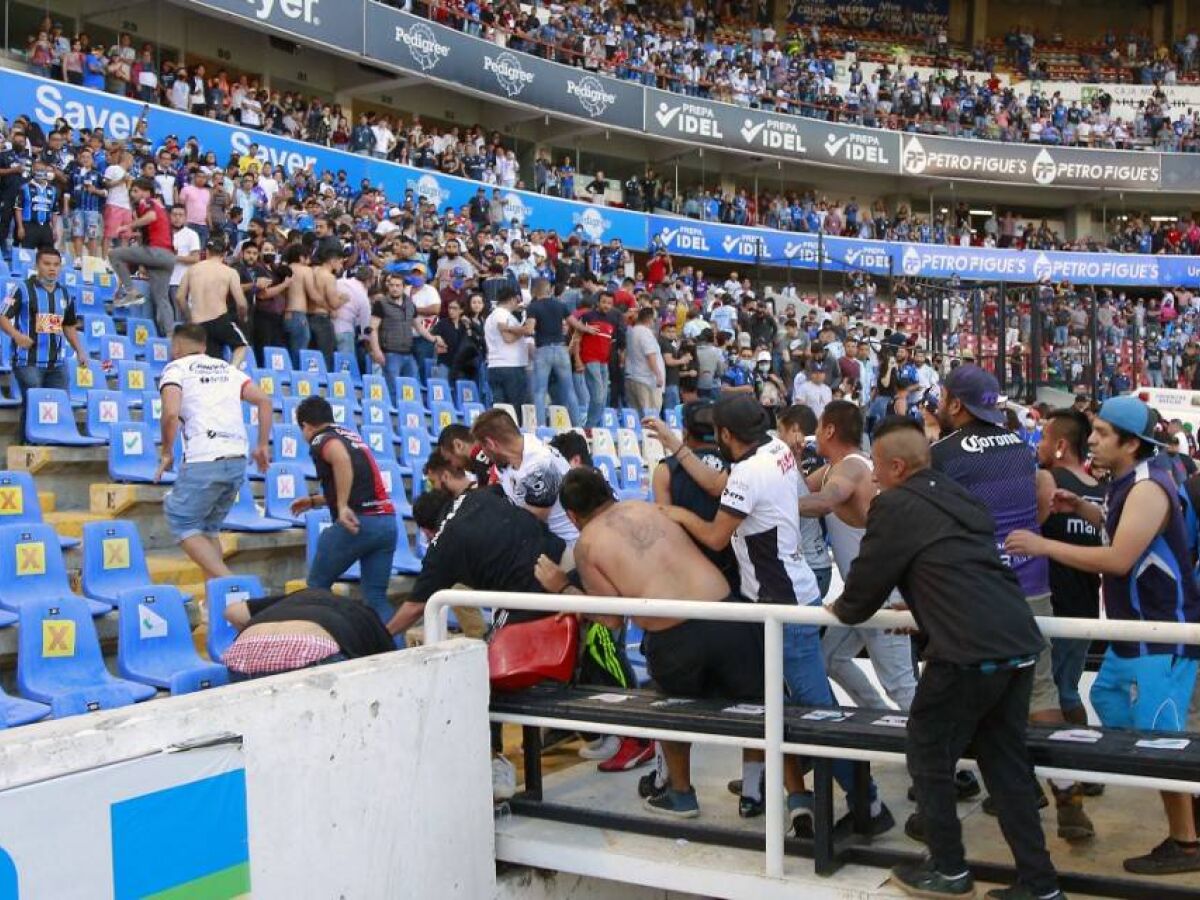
[1147, 693]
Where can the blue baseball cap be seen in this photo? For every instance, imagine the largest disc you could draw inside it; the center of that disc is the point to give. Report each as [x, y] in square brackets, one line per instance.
[1132, 415]
[977, 390]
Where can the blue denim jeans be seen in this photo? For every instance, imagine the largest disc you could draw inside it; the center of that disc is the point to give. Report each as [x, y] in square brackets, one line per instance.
[373, 548]
[1067, 661]
[422, 350]
[554, 360]
[597, 385]
[398, 365]
[509, 385]
[202, 496]
[582, 395]
[295, 329]
[670, 397]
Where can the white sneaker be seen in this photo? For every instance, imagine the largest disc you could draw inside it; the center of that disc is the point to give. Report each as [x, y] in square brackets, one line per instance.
[504, 779]
[601, 748]
[130, 297]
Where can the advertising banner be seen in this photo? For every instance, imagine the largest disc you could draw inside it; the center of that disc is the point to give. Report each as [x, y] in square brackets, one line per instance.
[1181, 172]
[417, 45]
[335, 23]
[1029, 164]
[770, 134]
[46, 101]
[894, 16]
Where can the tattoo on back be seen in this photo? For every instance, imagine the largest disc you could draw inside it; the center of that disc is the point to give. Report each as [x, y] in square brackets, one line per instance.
[641, 534]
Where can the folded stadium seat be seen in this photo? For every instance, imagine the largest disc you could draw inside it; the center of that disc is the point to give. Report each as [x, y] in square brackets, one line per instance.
[631, 477]
[80, 381]
[374, 388]
[115, 348]
[51, 420]
[529, 418]
[285, 483]
[343, 414]
[508, 408]
[404, 560]
[441, 415]
[276, 359]
[104, 410]
[465, 392]
[113, 560]
[32, 568]
[316, 521]
[341, 388]
[346, 362]
[411, 416]
[471, 412]
[220, 593]
[133, 380]
[245, 514]
[312, 362]
[58, 652]
[603, 443]
[158, 354]
[91, 699]
[133, 456]
[376, 413]
[305, 384]
[382, 443]
[289, 446]
[393, 481]
[272, 382]
[632, 419]
[152, 413]
[652, 451]
[19, 503]
[673, 416]
[438, 390]
[610, 419]
[560, 418]
[140, 331]
[415, 447]
[408, 390]
[154, 643]
[17, 711]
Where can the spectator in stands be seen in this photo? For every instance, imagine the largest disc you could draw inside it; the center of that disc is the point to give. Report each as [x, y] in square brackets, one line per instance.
[203, 396]
[363, 528]
[551, 361]
[156, 254]
[505, 335]
[37, 316]
[645, 374]
[311, 627]
[394, 324]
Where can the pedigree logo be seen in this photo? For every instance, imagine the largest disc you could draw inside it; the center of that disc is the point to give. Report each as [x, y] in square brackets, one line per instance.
[509, 73]
[591, 94]
[422, 45]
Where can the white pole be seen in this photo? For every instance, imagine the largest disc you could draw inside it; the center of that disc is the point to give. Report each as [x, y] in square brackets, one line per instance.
[773, 735]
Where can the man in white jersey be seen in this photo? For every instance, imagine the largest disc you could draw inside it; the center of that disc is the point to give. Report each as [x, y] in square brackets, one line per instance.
[204, 396]
[758, 516]
[531, 473]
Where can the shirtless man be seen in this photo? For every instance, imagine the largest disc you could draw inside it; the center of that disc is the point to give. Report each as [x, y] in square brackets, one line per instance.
[842, 491]
[631, 549]
[295, 316]
[323, 299]
[203, 299]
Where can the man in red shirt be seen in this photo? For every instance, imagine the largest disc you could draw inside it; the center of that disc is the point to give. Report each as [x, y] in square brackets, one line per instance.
[155, 254]
[659, 267]
[601, 328]
[625, 299]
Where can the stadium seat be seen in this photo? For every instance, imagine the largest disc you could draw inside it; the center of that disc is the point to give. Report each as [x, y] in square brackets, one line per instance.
[305, 384]
[32, 568]
[411, 416]
[158, 354]
[439, 391]
[415, 447]
[603, 443]
[285, 483]
[393, 481]
[465, 392]
[152, 413]
[245, 515]
[272, 382]
[342, 413]
[220, 593]
[133, 456]
[374, 387]
[408, 390]
[382, 443]
[341, 387]
[631, 477]
[104, 410]
[312, 362]
[154, 643]
[140, 331]
[560, 418]
[276, 359]
[58, 652]
[17, 711]
[91, 699]
[343, 362]
[289, 446]
[19, 503]
[287, 414]
[631, 419]
[10, 396]
[316, 521]
[608, 465]
[96, 327]
[441, 415]
[134, 379]
[89, 301]
[80, 381]
[22, 261]
[627, 443]
[671, 417]
[471, 412]
[116, 349]
[545, 433]
[113, 560]
[51, 420]
[609, 418]
[404, 561]
[377, 413]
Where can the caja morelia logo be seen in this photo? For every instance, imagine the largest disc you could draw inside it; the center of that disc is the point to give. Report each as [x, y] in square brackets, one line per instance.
[422, 45]
[591, 94]
[509, 73]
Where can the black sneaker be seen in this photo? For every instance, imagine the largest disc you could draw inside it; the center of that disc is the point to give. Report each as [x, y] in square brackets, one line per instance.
[914, 827]
[749, 808]
[923, 880]
[802, 825]
[647, 787]
[1168, 858]
[989, 805]
[1091, 789]
[680, 804]
[966, 787]
[735, 787]
[1020, 892]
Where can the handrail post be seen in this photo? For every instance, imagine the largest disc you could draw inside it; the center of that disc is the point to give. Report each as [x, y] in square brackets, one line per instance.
[773, 743]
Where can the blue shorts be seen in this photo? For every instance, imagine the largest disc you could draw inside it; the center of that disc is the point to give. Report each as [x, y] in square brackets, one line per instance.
[1147, 693]
[202, 496]
[86, 224]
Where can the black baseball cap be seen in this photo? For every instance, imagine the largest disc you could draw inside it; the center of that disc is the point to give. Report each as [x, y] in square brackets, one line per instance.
[743, 415]
[698, 419]
[978, 391]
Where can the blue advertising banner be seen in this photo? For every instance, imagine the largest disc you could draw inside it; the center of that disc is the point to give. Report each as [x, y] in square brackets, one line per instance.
[47, 101]
[334, 23]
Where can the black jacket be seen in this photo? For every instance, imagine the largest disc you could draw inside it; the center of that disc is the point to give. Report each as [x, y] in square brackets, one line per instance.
[934, 541]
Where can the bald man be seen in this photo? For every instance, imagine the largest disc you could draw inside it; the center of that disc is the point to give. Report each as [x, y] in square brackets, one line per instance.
[980, 643]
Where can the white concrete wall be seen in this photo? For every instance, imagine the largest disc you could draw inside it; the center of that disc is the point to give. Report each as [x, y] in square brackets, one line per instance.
[370, 779]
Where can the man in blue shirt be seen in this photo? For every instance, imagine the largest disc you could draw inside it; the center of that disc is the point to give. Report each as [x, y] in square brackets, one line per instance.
[37, 206]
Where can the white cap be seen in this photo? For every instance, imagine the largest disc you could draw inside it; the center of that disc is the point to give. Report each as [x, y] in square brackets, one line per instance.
[114, 173]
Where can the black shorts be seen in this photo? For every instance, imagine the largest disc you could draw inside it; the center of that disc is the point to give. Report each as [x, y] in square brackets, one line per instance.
[37, 235]
[707, 660]
[223, 332]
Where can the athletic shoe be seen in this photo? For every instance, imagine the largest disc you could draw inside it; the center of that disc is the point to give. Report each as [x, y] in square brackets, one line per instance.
[504, 779]
[966, 787]
[989, 804]
[647, 786]
[1091, 789]
[1020, 892]
[844, 827]
[670, 802]
[127, 297]
[601, 748]
[923, 880]
[749, 808]
[1168, 858]
[633, 752]
[735, 787]
[914, 827]
[1073, 822]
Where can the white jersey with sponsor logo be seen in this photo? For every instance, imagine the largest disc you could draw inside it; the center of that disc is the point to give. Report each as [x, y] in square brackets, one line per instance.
[540, 476]
[211, 411]
[763, 491]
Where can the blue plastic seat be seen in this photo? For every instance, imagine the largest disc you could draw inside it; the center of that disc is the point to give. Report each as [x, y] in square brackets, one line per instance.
[220, 593]
[132, 455]
[346, 362]
[104, 410]
[465, 392]
[17, 711]
[32, 568]
[244, 515]
[91, 699]
[439, 391]
[377, 413]
[632, 419]
[287, 413]
[631, 478]
[59, 652]
[316, 521]
[343, 413]
[115, 349]
[22, 260]
[10, 396]
[609, 466]
[19, 503]
[471, 412]
[408, 390]
[382, 444]
[51, 420]
[152, 413]
[285, 483]
[154, 643]
[671, 417]
[97, 326]
[404, 561]
[545, 433]
[113, 560]
[441, 415]
[374, 387]
[393, 479]
[140, 331]
[80, 381]
[312, 362]
[158, 354]
[609, 418]
[415, 446]
[288, 446]
[411, 416]
[305, 384]
[272, 383]
[276, 359]
[90, 300]
[340, 389]
[134, 379]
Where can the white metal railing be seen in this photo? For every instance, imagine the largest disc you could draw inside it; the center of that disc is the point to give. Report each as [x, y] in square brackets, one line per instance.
[773, 617]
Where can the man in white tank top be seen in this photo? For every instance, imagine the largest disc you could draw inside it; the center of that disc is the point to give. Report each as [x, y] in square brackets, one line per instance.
[842, 492]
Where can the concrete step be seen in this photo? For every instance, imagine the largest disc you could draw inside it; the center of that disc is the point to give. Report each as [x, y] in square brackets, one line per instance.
[68, 471]
[47, 501]
[70, 524]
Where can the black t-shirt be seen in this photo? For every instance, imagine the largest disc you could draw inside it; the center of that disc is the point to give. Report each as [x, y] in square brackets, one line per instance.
[488, 544]
[685, 492]
[1074, 593]
[671, 346]
[10, 185]
[368, 494]
[354, 626]
[549, 315]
